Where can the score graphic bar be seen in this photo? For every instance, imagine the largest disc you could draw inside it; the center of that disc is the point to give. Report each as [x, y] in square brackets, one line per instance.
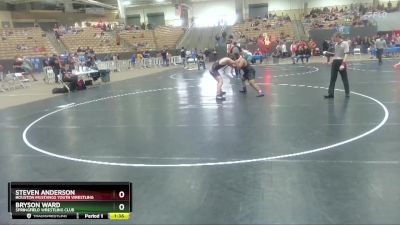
[70, 200]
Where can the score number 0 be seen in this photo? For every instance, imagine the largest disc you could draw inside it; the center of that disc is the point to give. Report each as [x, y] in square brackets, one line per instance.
[121, 206]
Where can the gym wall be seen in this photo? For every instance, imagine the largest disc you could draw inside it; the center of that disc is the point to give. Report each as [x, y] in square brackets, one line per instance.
[170, 17]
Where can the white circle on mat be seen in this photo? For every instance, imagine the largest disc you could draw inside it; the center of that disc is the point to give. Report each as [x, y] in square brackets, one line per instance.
[324, 148]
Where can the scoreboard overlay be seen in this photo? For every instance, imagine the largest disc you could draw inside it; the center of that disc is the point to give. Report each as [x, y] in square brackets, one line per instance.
[70, 200]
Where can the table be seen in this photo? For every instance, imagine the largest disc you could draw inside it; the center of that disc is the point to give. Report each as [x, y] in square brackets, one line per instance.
[84, 73]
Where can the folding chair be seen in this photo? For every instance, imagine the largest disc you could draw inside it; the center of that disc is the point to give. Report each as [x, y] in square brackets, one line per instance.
[22, 81]
[357, 51]
[10, 80]
[49, 75]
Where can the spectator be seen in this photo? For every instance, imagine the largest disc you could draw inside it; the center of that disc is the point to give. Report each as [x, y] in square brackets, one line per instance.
[307, 53]
[293, 48]
[365, 45]
[235, 50]
[17, 65]
[258, 54]
[26, 66]
[46, 61]
[200, 61]
[116, 62]
[90, 62]
[207, 55]
[299, 55]
[397, 40]
[217, 38]
[330, 51]
[188, 55]
[215, 54]
[133, 60]
[223, 35]
[24, 47]
[55, 64]
[139, 58]
[325, 45]
[164, 57]
[312, 46]
[194, 54]
[284, 50]
[183, 57]
[66, 76]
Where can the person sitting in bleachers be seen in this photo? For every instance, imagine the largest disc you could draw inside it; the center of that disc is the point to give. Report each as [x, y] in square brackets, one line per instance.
[24, 47]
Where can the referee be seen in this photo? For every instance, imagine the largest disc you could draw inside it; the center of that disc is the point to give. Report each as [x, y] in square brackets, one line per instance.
[339, 65]
[380, 45]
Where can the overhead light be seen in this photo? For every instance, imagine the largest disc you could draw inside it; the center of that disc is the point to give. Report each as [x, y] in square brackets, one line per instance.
[126, 3]
[159, 0]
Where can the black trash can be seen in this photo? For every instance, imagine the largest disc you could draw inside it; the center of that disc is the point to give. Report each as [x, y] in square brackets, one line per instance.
[105, 75]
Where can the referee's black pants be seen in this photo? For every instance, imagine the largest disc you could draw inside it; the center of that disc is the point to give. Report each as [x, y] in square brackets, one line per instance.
[343, 73]
[379, 53]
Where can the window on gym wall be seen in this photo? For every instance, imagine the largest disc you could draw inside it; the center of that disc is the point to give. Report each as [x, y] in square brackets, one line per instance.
[258, 10]
[156, 19]
[5, 24]
[133, 20]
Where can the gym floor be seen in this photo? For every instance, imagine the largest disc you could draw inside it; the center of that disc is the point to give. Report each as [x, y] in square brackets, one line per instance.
[291, 157]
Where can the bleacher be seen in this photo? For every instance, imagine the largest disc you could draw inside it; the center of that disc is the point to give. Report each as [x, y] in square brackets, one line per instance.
[347, 15]
[91, 37]
[273, 31]
[167, 37]
[36, 44]
[339, 19]
[140, 39]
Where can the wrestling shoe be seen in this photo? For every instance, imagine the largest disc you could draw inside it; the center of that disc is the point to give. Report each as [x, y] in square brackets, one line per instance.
[260, 94]
[220, 97]
[328, 96]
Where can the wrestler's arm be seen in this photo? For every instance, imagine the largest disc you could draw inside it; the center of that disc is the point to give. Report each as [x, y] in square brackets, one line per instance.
[232, 63]
[240, 63]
